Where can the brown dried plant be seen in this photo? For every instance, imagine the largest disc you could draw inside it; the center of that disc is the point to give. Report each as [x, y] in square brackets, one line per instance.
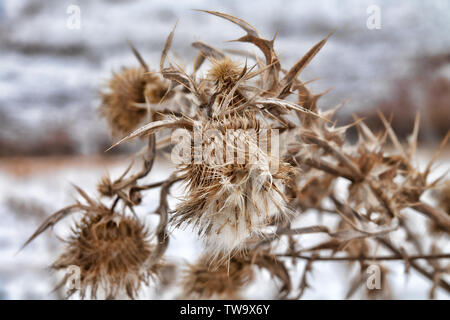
[245, 210]
[111, 251]
[206, 280]
[129, 90]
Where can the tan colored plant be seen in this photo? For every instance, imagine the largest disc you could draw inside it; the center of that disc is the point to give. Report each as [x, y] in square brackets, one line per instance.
[244, 210]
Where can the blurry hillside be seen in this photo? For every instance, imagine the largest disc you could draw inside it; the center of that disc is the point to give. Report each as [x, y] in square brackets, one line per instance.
[51, 75]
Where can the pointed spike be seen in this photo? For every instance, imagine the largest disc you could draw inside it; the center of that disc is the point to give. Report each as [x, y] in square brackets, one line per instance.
[247, 27]
[126, 171]
[50, 221]
[274, 37]
[414, 137]
[138, 56]
[84, 195]
[331, 112]
[304, 61]
[436, 154]
[365, 130]
[316, 97]
[198, 61]
[167, 46]
[208, 50]
[431, 185]
[152, 127]
[391, 133]
[356, 123]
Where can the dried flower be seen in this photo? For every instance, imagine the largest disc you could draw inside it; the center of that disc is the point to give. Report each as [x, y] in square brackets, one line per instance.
[230, 200]
[205, 280]
[224, 72]
[239, 181]
[111, 251]
[105, 187]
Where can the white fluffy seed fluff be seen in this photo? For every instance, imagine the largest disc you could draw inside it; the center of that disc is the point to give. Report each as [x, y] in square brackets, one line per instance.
[233, 200]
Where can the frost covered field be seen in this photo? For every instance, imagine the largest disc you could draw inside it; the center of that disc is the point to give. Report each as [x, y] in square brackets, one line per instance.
[49, 83]
[32, 189]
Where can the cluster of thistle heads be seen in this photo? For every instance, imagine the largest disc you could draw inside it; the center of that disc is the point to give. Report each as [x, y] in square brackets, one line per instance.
[243, 210]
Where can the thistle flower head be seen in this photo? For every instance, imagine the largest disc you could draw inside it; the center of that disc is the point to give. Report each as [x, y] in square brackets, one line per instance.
[205, 280]
[105, 187]
[127, 91]
[110, 250]
[224, 71]
[236, 188]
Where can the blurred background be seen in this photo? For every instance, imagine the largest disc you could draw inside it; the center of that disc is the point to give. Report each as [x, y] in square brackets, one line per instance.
[51, 134]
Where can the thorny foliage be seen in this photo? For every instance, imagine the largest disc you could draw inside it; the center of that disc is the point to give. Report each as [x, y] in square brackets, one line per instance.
[245, 211]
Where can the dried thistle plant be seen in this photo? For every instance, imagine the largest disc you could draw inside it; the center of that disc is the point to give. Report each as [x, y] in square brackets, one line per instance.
[111, 251]
[244, 206]
[230, 201]
[206, 280]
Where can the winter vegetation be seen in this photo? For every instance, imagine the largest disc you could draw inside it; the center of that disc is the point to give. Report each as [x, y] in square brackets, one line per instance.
[261, 170]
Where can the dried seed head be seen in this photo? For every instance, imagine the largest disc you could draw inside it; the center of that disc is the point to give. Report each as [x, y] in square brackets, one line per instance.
[224, 72]
[224, 281]
[105, 187]
[118, 107]
[128, 89]
[110, 251]
[231, 200]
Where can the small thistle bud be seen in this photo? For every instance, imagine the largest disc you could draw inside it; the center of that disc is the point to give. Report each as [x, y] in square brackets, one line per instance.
[110, 251]
[204, 280]
[225, 71]
[105, 187]
[224, 74]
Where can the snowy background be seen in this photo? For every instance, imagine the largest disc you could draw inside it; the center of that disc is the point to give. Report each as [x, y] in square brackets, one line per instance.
[51, 75]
